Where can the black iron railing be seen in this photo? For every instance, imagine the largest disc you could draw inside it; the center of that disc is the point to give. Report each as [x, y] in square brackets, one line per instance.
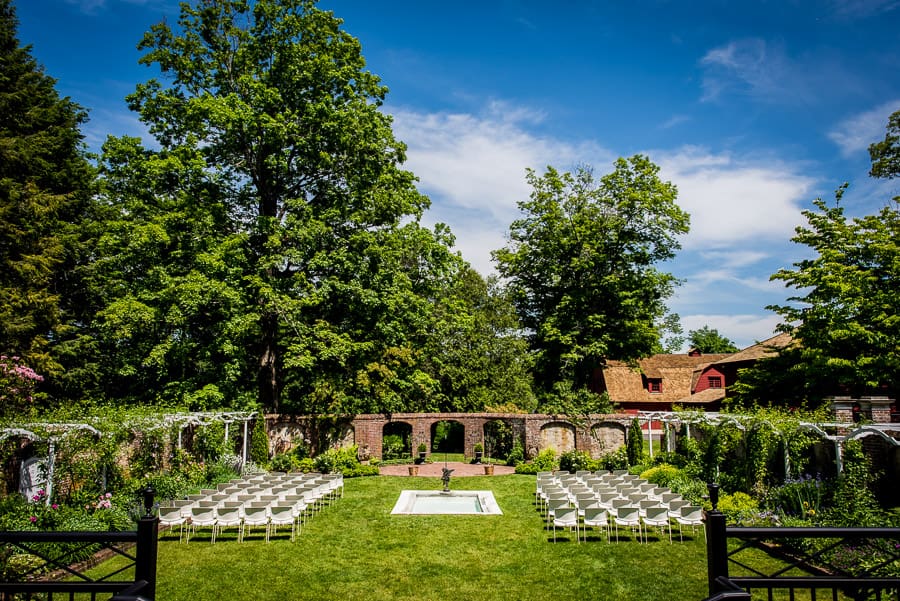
[137, 547]
[797, 570]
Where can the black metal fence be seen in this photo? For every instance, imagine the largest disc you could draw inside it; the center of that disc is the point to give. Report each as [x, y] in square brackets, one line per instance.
[793, 570]
[138, 548]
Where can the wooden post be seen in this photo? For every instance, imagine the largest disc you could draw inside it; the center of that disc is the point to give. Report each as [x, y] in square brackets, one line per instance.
[716, 541]
[146, 552]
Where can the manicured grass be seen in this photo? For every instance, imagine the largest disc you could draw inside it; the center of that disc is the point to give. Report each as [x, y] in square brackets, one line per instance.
[354, 549]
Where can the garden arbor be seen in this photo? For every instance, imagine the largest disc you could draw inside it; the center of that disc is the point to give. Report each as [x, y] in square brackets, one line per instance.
[837, 433]
[106, 433]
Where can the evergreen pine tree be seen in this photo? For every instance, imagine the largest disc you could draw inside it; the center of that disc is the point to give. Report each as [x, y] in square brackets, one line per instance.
[44, 190]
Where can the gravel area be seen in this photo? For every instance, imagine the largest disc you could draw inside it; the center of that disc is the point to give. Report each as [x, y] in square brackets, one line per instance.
[429, 470]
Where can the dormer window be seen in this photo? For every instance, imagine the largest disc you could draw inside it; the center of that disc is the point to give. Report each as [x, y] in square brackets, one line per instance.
[715, 381]
[654, 385]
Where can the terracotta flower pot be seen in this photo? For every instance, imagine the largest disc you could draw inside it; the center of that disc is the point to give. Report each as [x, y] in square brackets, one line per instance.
[489, 469]
[413, 470]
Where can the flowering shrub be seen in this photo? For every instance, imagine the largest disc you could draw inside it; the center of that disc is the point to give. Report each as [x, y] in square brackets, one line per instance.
[800, 498]
[17, 382]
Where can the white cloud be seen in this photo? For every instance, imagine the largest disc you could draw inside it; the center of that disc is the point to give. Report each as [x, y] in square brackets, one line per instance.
[764, 71]
[744, 330]
[473, 168]
[860, 9]
[855, 133]
[674, 120]
[733, 201]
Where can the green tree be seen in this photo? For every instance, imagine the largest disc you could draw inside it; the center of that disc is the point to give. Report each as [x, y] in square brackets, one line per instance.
[45, 185]
[283, 249]
[886, 153]
[634, 445]
[847, 316]
[474, 349]
[581, 267]
[708, 340]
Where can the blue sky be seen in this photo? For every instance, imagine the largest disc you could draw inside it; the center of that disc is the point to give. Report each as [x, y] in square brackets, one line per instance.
[753, 109]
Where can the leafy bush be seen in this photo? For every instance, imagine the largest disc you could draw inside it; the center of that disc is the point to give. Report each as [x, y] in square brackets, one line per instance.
[854, 503]
[616, 460]
[393, 446]
[544, 462]
[259, 442]
[573, 461]
[738, 507]
[516, 455]
[798, 498]
[344, 460]
[662, 474]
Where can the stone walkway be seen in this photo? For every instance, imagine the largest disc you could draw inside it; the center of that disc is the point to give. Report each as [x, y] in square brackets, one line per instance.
[434, 470]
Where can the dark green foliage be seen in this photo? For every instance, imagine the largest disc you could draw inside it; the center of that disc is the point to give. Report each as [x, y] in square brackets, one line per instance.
[45, 189]
[573, 461]
[853, 502]
[581, 266]
[708, 340]
[634, 443]
[885, 154]
[846, 317]
[259, 442]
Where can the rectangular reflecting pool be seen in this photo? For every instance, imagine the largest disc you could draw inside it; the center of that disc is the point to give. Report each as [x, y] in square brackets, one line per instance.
[456, 502]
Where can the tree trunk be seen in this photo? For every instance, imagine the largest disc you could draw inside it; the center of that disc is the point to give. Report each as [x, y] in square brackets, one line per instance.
[268, 362]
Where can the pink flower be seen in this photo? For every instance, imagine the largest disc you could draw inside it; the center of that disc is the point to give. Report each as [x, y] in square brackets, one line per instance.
[109, 495]
[54, 506]
[33, 519]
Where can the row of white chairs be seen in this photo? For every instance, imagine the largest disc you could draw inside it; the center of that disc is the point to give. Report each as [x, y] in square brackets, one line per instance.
[269, 501]
[565, 499]
[627, 516]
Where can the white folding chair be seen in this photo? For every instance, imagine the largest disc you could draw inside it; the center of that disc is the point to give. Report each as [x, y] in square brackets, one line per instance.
[566, 518]
[627, 516]
[597, 517]
[657, 517]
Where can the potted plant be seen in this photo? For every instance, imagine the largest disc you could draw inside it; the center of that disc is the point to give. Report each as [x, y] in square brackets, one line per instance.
[423, 450]
[479, 451]
[413, 470]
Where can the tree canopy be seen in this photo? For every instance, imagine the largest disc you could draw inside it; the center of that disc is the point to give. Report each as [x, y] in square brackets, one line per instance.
[885, 154]
[847, 315]
[581, 266]
[708, 340]
[45, 185]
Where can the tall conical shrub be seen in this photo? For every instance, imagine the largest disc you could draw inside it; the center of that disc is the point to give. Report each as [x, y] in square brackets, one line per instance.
[634, 448]
[259, 442]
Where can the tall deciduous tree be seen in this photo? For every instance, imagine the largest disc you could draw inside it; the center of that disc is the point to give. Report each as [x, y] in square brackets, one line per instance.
[274, 236]
[45, 185]
[886, 153]
[581, 266]
[708, 340]
[847, 315]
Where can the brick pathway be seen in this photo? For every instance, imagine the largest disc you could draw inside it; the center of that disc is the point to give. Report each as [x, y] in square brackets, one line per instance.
[434, 470]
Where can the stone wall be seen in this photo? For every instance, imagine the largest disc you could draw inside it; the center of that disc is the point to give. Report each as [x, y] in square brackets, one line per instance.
[594, 435]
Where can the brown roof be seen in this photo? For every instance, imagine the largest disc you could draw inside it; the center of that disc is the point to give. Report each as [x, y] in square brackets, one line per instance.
[760, 350]
[679, 373]
[710, 395]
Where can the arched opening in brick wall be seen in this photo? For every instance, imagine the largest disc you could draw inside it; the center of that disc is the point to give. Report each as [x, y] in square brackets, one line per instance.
[448, 436]
[396, 440]
[559, 436]
[499, 438]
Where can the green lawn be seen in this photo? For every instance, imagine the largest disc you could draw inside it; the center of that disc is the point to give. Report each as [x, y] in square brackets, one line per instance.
[355, 549]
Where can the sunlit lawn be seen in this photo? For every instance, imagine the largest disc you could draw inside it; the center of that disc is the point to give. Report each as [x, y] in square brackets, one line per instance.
[355, 549]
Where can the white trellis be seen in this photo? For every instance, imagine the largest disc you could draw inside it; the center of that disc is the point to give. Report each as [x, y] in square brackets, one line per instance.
[54, 433]
[838, 437]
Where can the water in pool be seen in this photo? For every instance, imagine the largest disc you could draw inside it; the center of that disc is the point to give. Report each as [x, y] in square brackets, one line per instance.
[457, 502]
